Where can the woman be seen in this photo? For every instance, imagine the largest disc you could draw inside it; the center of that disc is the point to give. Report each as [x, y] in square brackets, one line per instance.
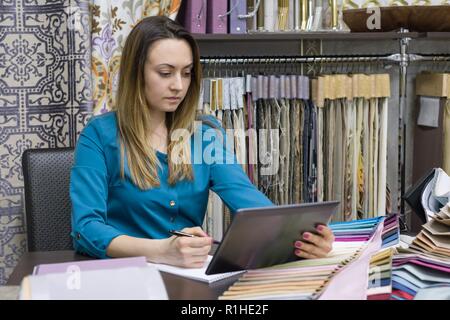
[136, 174]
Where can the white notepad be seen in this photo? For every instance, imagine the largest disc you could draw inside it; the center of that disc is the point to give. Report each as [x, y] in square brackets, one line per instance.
[195, 273]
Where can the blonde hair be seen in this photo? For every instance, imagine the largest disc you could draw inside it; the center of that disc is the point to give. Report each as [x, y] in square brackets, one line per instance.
[132, 109]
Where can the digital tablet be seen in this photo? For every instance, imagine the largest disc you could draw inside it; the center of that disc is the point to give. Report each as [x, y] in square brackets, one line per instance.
[263, 237]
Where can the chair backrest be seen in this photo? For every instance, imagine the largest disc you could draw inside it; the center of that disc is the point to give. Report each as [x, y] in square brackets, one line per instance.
[47, 202]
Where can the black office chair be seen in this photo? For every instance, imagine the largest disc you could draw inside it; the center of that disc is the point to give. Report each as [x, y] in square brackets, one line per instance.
[48, 207]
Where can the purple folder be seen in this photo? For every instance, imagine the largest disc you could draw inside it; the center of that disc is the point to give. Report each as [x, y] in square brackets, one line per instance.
[86, 265]
[238, 25]
[217, 20]
[195, 16]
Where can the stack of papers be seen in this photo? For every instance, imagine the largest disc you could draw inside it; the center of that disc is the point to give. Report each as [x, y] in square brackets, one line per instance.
[197, 274]
[112, 279]
[87, 265]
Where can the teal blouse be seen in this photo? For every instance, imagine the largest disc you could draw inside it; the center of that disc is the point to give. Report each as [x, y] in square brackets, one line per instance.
[105, 206]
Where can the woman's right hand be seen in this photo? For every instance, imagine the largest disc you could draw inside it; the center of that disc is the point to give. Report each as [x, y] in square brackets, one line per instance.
[187, 252]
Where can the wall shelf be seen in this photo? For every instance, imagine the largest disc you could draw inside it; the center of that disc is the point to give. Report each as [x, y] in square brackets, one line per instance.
[284, 36]
[438, 35]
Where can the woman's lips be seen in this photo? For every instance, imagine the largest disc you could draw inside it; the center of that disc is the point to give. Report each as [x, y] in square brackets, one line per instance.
[173, 99]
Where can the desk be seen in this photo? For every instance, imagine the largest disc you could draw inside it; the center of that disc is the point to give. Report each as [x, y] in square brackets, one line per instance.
[178, 288]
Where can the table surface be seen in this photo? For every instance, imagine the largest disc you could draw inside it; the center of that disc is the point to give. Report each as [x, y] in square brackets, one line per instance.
[178, 288]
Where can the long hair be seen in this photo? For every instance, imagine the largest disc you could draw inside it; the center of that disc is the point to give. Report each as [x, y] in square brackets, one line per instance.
[132, 108]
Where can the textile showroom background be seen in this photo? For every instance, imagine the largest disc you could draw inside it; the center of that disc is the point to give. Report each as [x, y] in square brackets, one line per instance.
[55, 72]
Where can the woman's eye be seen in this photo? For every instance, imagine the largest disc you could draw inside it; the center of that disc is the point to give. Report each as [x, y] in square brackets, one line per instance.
[164, 74]
[187, 74]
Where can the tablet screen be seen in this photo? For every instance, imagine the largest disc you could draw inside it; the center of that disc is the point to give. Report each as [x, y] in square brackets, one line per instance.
[263, 237]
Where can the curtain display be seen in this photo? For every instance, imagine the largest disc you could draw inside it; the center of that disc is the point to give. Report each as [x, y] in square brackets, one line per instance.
[305, 140]
[112, 21]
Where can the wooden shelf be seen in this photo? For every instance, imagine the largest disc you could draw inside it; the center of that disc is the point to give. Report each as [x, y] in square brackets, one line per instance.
[287, 36]
[438, 35]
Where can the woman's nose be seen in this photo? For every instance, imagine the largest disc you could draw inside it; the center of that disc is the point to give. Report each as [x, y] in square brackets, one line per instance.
[177, 83]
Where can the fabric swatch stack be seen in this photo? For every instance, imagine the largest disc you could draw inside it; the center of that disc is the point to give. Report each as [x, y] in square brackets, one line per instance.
[355, 231]
[391, 231]
[379, 284]
[413, 272]
[435, 235]
[424, 266]
[380, 276]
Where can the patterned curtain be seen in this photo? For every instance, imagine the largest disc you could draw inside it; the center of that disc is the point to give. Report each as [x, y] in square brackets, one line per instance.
[45, 98]
[112, 21]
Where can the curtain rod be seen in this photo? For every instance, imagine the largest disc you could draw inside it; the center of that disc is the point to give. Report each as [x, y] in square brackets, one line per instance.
[323, 59]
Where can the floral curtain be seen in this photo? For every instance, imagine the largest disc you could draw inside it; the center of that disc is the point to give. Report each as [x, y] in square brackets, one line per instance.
[112, 21]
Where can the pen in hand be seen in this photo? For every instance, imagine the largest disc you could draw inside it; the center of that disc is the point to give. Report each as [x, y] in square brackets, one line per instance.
[184, 234]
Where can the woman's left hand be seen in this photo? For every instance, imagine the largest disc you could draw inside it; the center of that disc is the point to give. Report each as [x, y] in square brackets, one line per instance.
[315, 245]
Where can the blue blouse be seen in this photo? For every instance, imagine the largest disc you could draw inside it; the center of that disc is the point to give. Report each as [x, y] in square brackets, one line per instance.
[105, 206]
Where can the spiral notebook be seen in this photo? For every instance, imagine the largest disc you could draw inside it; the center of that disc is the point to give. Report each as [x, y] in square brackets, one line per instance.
[195, 273]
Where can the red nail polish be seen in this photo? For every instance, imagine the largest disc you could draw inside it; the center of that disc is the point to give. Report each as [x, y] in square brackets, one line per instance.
[320, 228]
[306, 235]
[297, 252]
[298, 244]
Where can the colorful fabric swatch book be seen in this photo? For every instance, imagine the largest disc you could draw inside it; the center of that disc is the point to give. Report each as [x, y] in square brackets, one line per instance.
[343, 274]
[380, 276]
[391, 231]
[355, 231]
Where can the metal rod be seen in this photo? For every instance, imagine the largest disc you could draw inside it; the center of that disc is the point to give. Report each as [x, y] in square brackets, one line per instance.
[308, 59]
[394, 58]
[403, 69]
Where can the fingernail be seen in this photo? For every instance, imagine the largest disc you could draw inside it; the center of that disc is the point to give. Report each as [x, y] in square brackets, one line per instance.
[306, 235]
[320, 228]
[298, 244]
[297, 252]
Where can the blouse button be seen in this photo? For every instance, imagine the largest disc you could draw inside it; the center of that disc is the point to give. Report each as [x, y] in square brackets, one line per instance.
[172, 203]
[78, 236]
